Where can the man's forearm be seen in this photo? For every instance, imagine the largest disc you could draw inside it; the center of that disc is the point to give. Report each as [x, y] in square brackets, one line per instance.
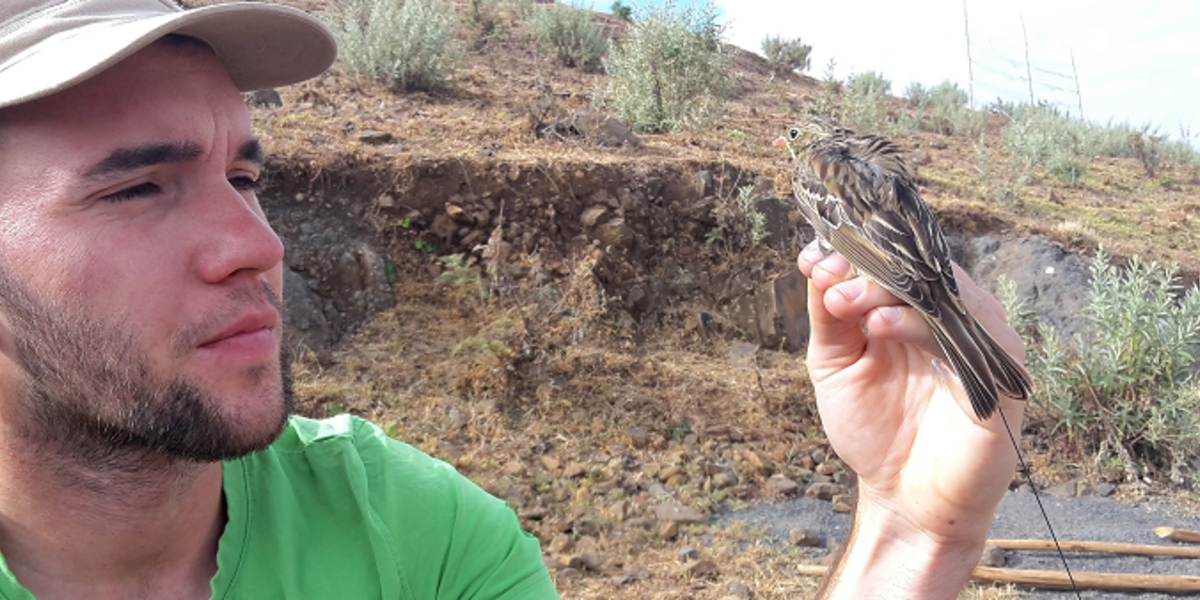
[887, 557]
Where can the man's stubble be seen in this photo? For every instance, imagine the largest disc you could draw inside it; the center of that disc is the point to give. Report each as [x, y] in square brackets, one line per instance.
[89, 394]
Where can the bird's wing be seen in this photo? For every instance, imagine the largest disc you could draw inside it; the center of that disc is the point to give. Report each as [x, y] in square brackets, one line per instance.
[874, 217]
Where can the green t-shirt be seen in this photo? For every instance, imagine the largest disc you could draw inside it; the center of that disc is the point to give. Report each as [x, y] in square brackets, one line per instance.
[337, 509]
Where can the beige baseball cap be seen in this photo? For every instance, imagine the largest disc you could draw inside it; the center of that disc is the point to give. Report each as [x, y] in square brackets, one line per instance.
[49, 45]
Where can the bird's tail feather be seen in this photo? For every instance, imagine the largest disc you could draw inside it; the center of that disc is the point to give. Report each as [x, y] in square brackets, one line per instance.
[980, 363]
[970, 364]
[1011, 378]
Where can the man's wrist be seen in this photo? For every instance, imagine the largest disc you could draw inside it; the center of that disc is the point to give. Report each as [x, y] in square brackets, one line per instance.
[889, 556]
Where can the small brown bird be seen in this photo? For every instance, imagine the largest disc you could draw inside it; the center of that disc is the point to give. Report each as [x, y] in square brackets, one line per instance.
[856, 192]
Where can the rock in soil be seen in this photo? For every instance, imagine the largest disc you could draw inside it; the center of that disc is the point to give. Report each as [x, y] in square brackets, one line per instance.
[801, 536]
[684, 515]
[993, 556]
[782, 485]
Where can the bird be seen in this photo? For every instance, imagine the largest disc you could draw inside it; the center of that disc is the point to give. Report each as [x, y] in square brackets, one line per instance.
[856, 192]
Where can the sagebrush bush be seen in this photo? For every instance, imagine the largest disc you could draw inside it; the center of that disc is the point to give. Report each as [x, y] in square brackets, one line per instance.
[949, 113]
[522, 9]
[1043, 136]
[570, 33]
[943, 109]
[863, 98]
[484, 18]
[1000, 181]
[672, 71]
[917, 94]
[408, 44]
[787, 56]
[1048, 137]
[1125, 384]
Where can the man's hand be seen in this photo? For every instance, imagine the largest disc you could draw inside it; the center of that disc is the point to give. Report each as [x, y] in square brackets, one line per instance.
[929, 475]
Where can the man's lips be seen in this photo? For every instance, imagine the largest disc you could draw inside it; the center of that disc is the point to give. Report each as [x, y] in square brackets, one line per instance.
[251, 335]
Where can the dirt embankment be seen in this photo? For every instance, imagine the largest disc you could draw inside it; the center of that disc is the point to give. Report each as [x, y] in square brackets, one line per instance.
[660, 234]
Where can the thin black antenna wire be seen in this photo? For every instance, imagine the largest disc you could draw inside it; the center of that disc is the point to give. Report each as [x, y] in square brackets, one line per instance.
[1033, 486]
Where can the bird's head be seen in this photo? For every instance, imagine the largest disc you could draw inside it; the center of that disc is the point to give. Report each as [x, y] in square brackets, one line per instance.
[803, 135]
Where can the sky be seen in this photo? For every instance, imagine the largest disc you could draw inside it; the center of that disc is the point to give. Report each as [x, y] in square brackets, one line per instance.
[1137, 62]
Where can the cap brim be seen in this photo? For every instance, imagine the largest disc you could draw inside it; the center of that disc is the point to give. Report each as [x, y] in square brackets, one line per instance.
[261, 45]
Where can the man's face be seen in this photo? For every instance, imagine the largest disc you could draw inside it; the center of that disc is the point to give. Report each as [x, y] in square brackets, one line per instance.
[140, 283]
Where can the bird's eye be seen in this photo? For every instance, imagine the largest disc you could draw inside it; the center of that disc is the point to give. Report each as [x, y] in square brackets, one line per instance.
[793, 133]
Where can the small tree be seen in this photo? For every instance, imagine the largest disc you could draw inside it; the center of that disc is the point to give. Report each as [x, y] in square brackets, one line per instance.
[622, 11]
[672, 70]
[786, 56]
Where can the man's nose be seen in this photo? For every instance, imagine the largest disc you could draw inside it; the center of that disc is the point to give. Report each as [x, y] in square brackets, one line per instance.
[236, 237]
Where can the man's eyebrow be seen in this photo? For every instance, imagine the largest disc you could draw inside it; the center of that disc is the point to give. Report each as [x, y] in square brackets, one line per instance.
[123, 160]
[252, 151]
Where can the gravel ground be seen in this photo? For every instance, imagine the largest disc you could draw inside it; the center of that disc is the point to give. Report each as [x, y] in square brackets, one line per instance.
[1087, 518]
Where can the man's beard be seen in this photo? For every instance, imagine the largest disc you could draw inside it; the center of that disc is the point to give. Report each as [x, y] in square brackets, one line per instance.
[90, 395]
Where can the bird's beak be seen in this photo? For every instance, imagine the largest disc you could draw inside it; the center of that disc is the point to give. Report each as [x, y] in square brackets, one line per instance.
[783, 141]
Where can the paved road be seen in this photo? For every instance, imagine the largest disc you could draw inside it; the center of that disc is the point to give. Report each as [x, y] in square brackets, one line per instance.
[1085, 518]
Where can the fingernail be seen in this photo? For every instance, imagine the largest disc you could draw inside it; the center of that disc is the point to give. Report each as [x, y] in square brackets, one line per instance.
[811, 253]
[891, 314]
[835, 265]
[851, 289]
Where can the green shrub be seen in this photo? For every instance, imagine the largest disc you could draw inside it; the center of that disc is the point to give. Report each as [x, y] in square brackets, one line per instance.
[740, 225]
[409, 44]
[672, 71]
[918, 95]
[786, 56]
[570, 33]
[1043, 136]
[483, 17]
[1147, 144]
[459, 272]
[943, 109]
[828, 102]
[1067, 168]
[949, 113]
[622, 11]
[1125, 384]
[1000, 182]
[863, 102]
[522, 9]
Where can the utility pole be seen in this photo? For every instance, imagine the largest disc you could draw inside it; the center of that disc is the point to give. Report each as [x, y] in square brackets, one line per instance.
[970, 73]
[1075, 71]
[1028, 69]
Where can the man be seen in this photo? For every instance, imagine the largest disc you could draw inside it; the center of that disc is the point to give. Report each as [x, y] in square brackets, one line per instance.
[146, 449]
[930, 477]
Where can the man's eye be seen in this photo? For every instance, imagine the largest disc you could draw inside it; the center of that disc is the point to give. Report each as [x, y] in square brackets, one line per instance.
[141, 190]
[245, 183]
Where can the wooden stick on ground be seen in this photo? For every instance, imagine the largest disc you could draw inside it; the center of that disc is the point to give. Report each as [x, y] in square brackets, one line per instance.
[1109, 547]
[1111, 582]
[1190, 536]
